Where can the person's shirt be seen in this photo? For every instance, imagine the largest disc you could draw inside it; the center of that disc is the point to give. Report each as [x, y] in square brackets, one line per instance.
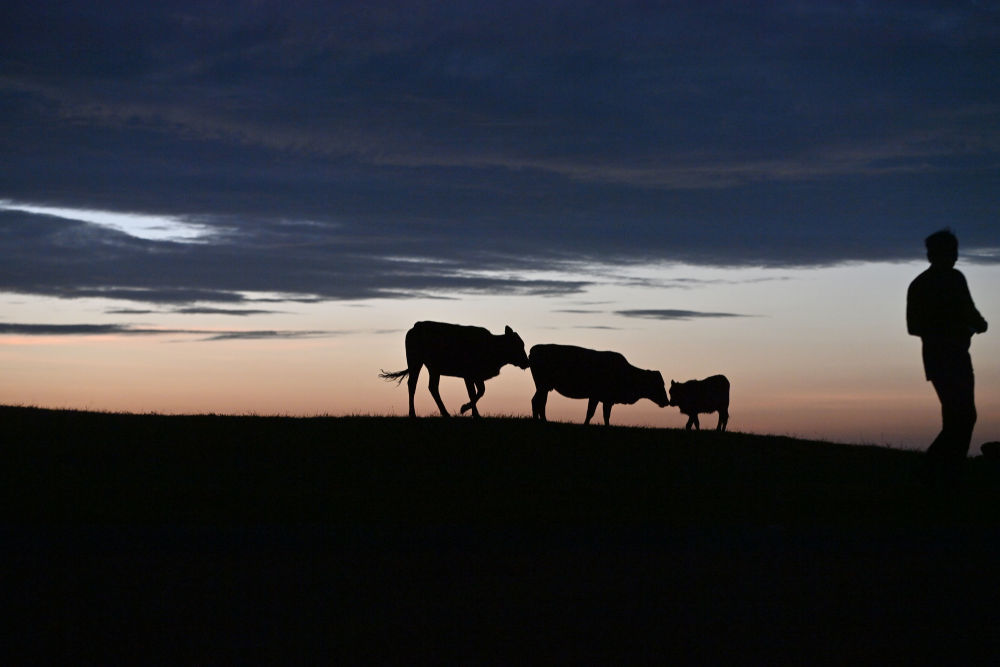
[939, 306]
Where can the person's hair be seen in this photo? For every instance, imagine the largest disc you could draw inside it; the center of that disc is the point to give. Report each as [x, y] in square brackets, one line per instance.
[942, 244]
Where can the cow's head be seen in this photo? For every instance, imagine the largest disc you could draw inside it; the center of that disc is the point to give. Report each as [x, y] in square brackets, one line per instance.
[657, 391]
[514, 347]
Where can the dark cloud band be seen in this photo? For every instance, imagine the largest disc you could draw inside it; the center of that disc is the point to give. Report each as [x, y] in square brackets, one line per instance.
[7, 328]
[672, 314]
[313, 144]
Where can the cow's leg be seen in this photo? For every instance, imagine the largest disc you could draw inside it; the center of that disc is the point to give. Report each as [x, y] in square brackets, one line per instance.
[411, 384]
[432, 384]
[692, 421]
[476, 391]
[607, 412]
[480, 390]
[538, 404]
[723, 420]
[591, 409]
[470, 387]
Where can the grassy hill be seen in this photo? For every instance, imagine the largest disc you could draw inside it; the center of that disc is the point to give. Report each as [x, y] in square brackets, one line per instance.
[64, 466]
[210, 539]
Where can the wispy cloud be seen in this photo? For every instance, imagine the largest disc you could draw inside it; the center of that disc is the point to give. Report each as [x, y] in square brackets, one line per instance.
[204, 310]
[266, 335]
[139, 225]
[674, 314]
[694, 283]
[8, 328]
[193, 310]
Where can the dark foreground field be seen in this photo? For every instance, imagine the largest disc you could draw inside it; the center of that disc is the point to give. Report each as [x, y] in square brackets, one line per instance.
[218, 540]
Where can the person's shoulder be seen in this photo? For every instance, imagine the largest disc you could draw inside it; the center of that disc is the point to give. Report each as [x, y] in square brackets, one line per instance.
[922, 278]
[953, 278]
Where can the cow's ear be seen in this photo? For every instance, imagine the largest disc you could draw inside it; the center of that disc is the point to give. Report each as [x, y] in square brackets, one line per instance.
[672, 383]
[508, 330]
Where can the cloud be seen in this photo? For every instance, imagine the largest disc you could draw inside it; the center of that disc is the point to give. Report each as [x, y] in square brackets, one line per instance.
[266, 335]
[55, 256]
[202, 310]
[687, 283]
[309, 146]
[7, 328]
[193, 310]
[11, 328]
[138, 225]
[672, 314]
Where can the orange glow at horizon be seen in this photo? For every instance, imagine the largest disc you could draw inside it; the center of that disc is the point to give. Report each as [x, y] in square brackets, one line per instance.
[822, 354]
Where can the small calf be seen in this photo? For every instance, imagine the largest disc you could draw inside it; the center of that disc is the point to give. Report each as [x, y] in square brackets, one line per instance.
[708, 395]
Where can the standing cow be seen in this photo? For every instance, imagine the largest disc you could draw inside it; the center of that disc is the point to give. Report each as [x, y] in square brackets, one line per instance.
[471, 353]
[606, 377]
[708, 395]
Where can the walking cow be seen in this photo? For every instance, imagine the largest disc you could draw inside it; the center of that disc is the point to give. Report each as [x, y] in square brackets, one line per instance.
[471, 353]
[708, 395]
[600, 377]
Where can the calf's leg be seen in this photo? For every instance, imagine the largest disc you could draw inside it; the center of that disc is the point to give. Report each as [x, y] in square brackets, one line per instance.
[723, 420]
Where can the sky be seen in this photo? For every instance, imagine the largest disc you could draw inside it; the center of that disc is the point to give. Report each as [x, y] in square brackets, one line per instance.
[242, 207]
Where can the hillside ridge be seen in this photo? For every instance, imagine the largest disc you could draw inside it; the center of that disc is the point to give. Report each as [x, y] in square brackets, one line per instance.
[76, 466]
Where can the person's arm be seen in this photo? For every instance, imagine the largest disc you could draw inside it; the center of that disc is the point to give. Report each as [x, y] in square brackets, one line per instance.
[973, 318]
[914, 311]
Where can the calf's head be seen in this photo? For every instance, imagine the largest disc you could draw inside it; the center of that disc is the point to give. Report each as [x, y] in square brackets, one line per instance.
[514, 349]
[677, 394]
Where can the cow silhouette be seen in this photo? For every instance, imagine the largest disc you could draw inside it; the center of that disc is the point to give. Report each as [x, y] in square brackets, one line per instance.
[598, 376]
[471, 353]
[708, 395]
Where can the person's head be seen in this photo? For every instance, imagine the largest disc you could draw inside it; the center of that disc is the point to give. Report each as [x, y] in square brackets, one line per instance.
[942, 248]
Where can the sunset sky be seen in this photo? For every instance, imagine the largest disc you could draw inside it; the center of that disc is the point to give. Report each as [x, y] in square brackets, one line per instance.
[242, 207]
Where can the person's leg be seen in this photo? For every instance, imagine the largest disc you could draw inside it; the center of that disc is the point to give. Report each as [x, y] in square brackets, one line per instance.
[937, 448]
[946, 455]
[964, 417]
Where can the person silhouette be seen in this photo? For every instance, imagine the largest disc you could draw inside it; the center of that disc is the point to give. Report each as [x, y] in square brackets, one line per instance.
[939, 309]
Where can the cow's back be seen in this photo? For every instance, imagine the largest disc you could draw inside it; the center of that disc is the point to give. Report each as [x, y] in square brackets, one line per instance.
[577, 372]
[717, 389]
[449, 349]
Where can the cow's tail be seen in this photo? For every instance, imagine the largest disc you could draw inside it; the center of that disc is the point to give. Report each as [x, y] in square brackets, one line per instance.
[398, 376]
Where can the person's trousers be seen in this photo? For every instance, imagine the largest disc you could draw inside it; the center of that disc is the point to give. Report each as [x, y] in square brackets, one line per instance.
[956, 391]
